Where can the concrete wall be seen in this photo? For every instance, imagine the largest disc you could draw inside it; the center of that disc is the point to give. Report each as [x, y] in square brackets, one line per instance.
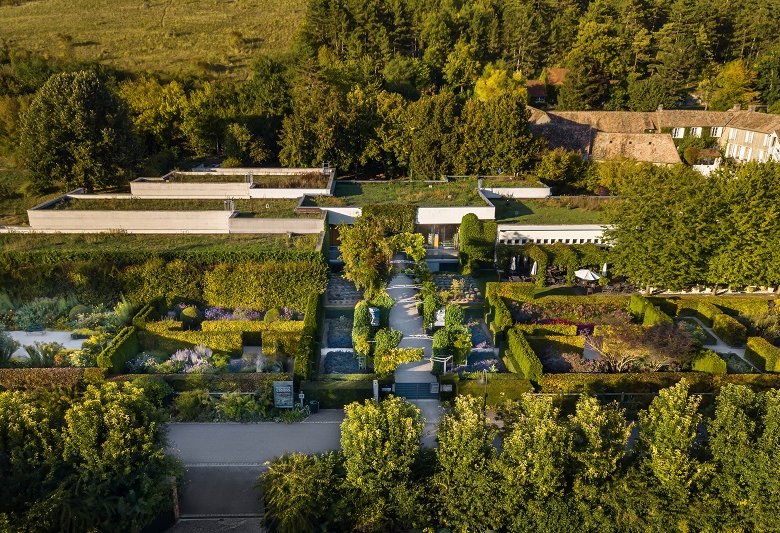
[342, 215]
[516, 192]
[453, 215]
[259, 192]
[569, 234]
[73, 221]
[157, 188]
[275, 225]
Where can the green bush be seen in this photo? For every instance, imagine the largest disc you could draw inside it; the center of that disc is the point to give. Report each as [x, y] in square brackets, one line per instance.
[392, 218]
[147, 313]
[190, 317]
[499, 388]
[703, 310]
[49, 378]
[764, 355]
[169, 336]
[644, 382]
[477, 241]
[511, 290]
[708, 361]
[537, 254]
[77, 310]
[40, 313]
[155, 388]
[454, 341]
[194, 406]
[520, 358]
[121, 349]
[264, 285]
[636, 306]
[643, 309]
[307, 352]
[362, 316]
[729, 329]
[337, 394]
[387, 362]
[7, 346]
[238, 407]
[227, 382]
[272, 315]
[453, 315]
[385, 340]
[547, 329]
[431, 304]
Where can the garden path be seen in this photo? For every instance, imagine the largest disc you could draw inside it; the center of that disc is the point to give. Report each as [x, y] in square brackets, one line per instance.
[404, 318]
[720, 346]
[25, 338]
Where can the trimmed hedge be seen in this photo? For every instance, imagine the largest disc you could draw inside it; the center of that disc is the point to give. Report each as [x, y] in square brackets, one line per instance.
[307, 352]
[644, 310]
[709, 361]
[561, 343]
[764, 355]
[168, 335]
[49, 378]
[518, 291]
[337, 394]
[499, 388]
[121, 349]
[520, 358]
[547, 329]
[729, 329]
[652, 382]
[244, 382]
[701, 309]
[147, 313]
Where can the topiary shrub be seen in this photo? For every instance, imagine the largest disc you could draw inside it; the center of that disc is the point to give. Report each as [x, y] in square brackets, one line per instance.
[453, 316]
[190, 317]
[764, 355]
[237, 407]
[385, 340]
[77, 310]
[521, 358]
[272, 315]
[710, 362]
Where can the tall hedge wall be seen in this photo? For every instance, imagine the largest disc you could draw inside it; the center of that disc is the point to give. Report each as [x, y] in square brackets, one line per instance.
[709, 361]
[644, 310]
[121, 349]
[520, 358]
[49, 378]
[307, 352]
[394, 218]
[729, 329]
[764, 355]
[337, 394]
[226, 382]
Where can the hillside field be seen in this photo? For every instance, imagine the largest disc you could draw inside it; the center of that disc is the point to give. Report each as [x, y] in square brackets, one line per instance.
[174, 36]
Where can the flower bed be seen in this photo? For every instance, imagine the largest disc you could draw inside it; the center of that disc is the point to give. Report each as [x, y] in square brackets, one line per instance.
[480, 339]
[343, 363]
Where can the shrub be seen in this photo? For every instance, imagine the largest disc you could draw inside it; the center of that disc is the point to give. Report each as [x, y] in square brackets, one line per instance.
[272, 315]
[764, 355]
[121, 349]
[194, 406]
[155, 388]
[77, 310]
[190, 317]
[729, 329]
[386, 340]
[42, 354]
[499, 388]
[643, 309]
[538, 255]
[703, 310]
[42, 312]
[7, 346]
[477, 241]
[49, 378]
[307, 351]
[431, 304]
[387, 362]
[168, 336]
[238, 407]
[547, 329]
[710, 362]
[520, 357]
[454, 341]
[453, 316]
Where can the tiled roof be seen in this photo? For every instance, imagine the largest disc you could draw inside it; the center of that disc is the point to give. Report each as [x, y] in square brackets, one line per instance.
[647, 147]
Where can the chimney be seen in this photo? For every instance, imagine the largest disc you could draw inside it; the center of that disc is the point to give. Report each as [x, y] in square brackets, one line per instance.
[736, 107]
[660, 107]
[752, 107]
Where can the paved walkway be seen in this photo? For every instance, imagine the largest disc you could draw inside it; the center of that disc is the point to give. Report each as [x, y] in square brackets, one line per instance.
[431, 411]
[25, 338]
[404, 318]
[720, 346]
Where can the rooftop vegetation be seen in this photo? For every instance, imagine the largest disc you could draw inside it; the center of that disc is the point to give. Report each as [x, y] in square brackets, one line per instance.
[312, 180]
[418, 193]
[526, 180]
[256, 207]
[574, 210]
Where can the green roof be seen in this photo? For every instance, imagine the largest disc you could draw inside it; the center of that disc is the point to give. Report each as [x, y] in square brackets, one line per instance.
[418, 193]
[577, 210]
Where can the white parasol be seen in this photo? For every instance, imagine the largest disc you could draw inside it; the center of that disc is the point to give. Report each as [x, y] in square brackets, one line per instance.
[586, 275]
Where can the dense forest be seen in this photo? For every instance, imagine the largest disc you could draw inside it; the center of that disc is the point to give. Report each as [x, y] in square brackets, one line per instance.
[420, 89]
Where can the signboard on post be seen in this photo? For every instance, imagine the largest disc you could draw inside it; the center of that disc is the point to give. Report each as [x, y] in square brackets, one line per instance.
[283, 395]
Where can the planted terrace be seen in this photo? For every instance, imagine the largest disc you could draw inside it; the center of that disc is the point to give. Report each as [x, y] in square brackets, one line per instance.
[307, 180]
[257, 208]
[417, 193]
[575, 210]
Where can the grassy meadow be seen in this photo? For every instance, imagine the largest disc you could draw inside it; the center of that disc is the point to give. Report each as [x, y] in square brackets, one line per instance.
[216, 37]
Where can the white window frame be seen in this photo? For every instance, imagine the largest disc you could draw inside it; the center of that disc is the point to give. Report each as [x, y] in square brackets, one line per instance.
[678, 133]
[732, 134]
[716, 131]
[741, 152]
[766, 139]
[748, 137]
[761, 156]
[696, 132]
[749, 153]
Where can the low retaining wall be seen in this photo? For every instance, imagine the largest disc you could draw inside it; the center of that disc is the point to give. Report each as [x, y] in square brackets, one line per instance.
[74, 221]
[453, 215]
[158, 188]
[275, 225]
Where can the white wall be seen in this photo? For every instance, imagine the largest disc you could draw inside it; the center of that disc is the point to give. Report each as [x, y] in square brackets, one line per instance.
[573, 233]
[516, 192]
[342, 215]
[73, 221]
[259, 192]
[453, 215]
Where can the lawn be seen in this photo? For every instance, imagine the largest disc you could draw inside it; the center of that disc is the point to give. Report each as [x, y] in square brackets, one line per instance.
[421, 194]
[551, 211]
[198, 37]
[511, 181]
[73, 244]
[257, 208]
[14, 200]
[313, 180]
